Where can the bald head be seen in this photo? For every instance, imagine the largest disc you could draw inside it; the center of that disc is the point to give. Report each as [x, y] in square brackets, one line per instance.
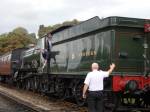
[95, 66]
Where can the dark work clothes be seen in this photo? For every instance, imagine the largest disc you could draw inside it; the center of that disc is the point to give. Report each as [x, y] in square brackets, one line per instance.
[49, 45]
[95, 101]
[45, 55]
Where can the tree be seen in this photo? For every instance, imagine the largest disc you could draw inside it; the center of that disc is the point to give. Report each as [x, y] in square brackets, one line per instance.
[20, 31]
[32, 37]
[18, 38]
[3, 35]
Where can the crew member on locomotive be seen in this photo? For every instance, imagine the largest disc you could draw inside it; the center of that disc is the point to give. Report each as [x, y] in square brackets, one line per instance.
[49, 42]
[45, 57]
[46, 53]
[94, 84]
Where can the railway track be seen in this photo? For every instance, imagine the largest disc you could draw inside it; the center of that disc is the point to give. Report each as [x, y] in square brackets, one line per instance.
[18, 103]
[7, 104]
[54, 104]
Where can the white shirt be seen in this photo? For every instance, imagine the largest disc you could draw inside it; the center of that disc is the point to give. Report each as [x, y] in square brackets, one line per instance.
[94, 80]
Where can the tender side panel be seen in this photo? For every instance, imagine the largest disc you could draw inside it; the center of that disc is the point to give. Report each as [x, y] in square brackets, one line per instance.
[77, 55]
[129, 50]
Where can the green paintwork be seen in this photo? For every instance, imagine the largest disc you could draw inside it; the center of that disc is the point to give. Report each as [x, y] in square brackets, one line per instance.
[100, 40]
[29, 56]
[77, 55]
[107, 37]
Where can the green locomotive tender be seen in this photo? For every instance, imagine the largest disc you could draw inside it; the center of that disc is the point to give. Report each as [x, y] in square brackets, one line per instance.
[114, 39]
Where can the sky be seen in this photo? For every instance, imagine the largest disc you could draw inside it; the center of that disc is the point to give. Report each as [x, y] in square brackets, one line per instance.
[32, 13]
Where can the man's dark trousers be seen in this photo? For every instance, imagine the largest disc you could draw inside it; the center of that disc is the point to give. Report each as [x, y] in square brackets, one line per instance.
[95, 101]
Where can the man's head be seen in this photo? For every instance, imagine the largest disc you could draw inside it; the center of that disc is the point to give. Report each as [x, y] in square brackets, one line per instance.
[49, 36]
[95, 66]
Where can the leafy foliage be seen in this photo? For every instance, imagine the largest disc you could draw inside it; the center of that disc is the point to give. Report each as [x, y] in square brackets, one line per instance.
[18, 38]
[20, 31]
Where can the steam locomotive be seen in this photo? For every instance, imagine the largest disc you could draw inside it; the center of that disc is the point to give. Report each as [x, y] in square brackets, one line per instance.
[124, 41]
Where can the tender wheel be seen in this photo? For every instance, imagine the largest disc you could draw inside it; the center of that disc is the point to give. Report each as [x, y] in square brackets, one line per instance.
[60, 88]
[44, 86]
[78, 94]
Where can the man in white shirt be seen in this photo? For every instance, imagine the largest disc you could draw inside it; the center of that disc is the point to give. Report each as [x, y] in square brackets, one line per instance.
[94, 84]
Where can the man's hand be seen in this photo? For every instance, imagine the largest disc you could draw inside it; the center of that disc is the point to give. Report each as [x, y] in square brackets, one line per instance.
[84, 90]
[84, 96]
[112, 66]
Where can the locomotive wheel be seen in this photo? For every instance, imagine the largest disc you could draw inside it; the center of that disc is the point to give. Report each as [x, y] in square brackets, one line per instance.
[23, 84]
[18, 84]
[28, 84]
[78, 94]
[35, 84]
[31, 84]
[60, 88]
